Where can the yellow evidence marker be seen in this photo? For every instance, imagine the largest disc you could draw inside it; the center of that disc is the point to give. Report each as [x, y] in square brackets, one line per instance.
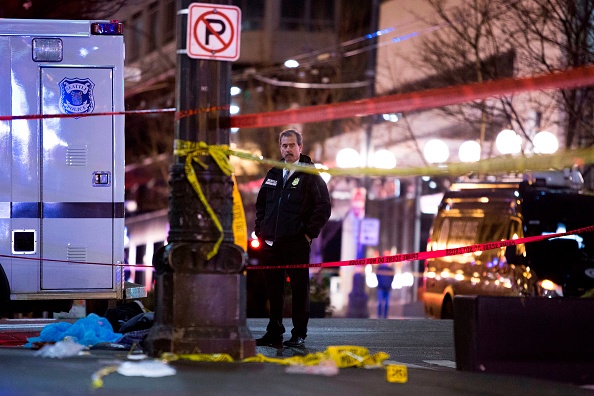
[396, 373]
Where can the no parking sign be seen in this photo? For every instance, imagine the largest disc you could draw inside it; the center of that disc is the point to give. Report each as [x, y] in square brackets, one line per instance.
[213, 31]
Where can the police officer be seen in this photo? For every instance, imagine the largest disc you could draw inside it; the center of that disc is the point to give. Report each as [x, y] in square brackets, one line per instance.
[291, 209]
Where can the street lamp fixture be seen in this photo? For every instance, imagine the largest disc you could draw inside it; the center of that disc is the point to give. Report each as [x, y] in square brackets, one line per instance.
[235, 91]
[291, 63]
[436, 151]
[383, 159]
[545, 143]
[469, 151]
[348, 158]
[508, 142]
[392, 117]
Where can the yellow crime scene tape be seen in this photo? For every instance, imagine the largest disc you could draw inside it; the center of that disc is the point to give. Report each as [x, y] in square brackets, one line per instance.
[192, 151]
[343, 356]
[491, 166]
[97, 377]
[498, 165]
[240, 232]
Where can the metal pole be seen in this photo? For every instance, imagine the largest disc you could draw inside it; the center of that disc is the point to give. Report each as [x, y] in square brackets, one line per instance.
[358, 299]
[200, 301]
[417, 265]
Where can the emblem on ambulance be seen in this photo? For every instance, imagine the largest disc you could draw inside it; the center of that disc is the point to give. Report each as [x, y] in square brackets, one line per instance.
[76, 96]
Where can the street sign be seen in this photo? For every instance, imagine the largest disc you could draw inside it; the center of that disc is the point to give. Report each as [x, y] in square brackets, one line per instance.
[213, 31]
[369, 233]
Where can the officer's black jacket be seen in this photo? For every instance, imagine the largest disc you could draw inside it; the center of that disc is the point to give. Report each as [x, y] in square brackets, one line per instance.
[300, 208]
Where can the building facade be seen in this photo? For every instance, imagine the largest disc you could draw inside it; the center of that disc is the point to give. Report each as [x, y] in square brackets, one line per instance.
[319, 35]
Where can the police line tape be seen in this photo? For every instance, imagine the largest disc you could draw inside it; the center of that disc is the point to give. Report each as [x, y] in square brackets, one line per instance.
[419, 100]
[412, 101]
[429, 254]
[82, 115]
[178, 114]
[360, 262]
[571, 78]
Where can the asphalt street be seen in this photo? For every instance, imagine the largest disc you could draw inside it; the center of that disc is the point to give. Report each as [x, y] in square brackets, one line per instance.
[425, 346]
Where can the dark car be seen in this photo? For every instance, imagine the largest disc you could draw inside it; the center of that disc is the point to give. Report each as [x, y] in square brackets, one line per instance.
[475, 212]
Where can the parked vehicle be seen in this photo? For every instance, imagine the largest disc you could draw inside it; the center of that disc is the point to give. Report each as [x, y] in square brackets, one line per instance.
[62, 179]
[479, 211]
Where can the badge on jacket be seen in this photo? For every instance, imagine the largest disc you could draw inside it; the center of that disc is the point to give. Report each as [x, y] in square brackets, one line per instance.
[295, 182]
[270, 182]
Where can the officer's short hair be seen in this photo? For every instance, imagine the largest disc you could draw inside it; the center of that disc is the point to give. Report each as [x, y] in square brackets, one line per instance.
[288, 132]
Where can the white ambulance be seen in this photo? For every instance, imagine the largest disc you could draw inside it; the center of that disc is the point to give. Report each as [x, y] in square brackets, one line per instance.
[61, 171]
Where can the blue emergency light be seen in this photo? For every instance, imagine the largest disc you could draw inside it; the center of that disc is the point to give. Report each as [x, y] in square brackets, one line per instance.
[112, 28]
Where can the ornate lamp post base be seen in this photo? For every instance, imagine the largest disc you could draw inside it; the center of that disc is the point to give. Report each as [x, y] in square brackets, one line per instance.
[200, 301]
[205, 319]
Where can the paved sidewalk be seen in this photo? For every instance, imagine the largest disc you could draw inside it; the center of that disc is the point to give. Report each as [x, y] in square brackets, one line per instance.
[425, 346]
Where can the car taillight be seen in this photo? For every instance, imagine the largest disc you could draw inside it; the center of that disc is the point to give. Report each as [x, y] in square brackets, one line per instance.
[255, 244]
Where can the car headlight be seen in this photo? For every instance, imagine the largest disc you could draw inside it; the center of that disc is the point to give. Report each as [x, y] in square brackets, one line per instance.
[549, 288]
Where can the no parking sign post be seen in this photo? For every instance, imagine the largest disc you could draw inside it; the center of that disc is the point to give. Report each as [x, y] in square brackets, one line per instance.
[190, 278]
[213, 31]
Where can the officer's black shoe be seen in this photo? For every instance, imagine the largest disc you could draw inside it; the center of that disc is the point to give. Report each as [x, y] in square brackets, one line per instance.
[270, 340]
[295, 342]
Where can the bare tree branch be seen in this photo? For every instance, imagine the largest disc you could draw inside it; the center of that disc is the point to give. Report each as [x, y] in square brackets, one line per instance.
[61, 9]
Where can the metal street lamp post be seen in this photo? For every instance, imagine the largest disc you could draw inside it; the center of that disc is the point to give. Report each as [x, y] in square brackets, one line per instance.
[200, 297]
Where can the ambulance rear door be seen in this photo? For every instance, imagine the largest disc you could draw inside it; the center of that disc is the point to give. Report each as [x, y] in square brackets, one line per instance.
[77, 170]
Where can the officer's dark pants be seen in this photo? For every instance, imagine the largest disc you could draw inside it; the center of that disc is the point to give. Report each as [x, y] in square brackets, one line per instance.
[281, 253]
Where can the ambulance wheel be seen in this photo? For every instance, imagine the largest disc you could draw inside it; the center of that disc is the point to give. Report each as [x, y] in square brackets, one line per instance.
[4, 294]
